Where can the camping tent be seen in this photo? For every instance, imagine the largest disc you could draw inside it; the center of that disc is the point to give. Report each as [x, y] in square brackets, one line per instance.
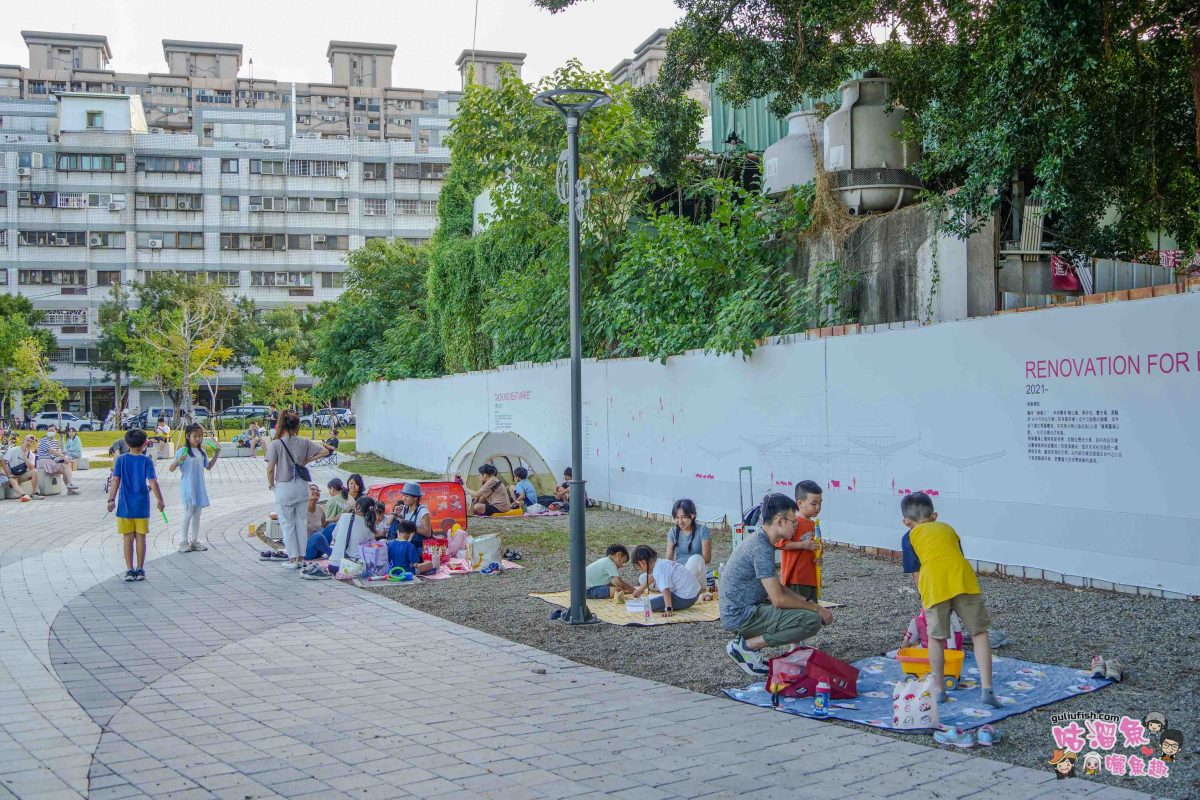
[506, 451]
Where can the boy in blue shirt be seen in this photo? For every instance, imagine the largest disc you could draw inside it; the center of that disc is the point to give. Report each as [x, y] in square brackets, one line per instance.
[523, 488]
[132, 478]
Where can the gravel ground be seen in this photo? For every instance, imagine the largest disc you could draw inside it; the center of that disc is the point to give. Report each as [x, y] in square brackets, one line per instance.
[1159, 640]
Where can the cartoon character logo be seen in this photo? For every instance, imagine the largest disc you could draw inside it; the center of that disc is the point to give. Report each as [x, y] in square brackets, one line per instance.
[1155, 723]
[926, 705]
[1171, 742]
[1091, 763]
[1063, 762]
[1020, 686]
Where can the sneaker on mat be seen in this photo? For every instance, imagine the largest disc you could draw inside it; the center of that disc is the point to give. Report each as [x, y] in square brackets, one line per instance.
[988, 735]
[1097, 666]
[139, 574]
[199, 547]
[318, 574]
[184, 547]
[954, 737]
[749, 660]
[130, 576]
[1114, 670]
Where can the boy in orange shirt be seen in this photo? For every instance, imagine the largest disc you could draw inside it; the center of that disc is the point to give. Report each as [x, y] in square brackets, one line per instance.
[799, 569]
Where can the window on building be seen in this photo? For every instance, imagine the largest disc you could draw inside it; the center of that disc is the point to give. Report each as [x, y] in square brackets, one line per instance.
[71, 200]
[51, 238]
[52, 277]
[106, 199]
[333, 280]
[225, 277]
[108, 277]
[166, 164]
[261, 203]
[407, 171]
[259, 166]
[374, 171]
[316, 169]
[110, 239]
[3, 277]
[428, 208]
[299, 204]
[299, 241]
[434, 172]
[3, 199]
[417, 208]
[230, 202]
[235, 241]
[86, 162]
[66, 316]
[95, 119]
[416, 242]
[37, 199]
[229, 166]
[375, 206]
[324, 241]
[60, 355]
[170, 240]
[281, 279]
[170, 202]
[268, 241]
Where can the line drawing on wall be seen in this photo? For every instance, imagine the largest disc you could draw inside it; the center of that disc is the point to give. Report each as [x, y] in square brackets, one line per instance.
[961, 464]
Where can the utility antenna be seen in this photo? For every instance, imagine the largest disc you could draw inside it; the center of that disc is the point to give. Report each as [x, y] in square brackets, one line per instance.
[474, 33]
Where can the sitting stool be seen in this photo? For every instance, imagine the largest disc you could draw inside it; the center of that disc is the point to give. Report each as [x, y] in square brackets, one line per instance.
[274, 531]
[164, 450]
[82, 464]
[50, 485]
[11, 493]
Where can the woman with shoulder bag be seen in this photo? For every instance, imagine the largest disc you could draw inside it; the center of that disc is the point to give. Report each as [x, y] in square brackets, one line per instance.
[287, 475]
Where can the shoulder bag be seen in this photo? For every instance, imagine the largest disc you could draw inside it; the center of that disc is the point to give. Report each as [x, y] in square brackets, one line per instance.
[298, 472]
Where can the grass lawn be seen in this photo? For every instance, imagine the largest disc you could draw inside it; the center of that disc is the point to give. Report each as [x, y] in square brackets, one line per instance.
[106, 438]
[373, 465]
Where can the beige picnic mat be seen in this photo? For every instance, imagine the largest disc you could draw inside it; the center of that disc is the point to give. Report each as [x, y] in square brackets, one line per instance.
[615, 614]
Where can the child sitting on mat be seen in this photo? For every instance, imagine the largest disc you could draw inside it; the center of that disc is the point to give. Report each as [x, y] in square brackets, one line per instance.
[947, 583]
[679, 586]
[604, 574]
[402, 552]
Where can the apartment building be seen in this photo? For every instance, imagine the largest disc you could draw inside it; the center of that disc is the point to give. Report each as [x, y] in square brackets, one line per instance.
[263, 186]
[643, 68]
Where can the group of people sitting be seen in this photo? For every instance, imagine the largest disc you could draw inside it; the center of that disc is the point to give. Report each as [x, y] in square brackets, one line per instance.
[24, 464]
[494, 496]
[681, 576]
[349, 517]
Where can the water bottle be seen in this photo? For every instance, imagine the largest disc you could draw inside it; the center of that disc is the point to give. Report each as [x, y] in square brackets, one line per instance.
[646, 607]
[821, 698]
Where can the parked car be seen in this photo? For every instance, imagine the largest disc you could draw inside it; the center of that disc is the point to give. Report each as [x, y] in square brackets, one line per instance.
[326, 416]
[64, 420]
[245, 413]
[148, 418]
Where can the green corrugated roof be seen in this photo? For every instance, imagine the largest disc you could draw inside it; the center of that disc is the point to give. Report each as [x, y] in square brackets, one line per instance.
[754, 124]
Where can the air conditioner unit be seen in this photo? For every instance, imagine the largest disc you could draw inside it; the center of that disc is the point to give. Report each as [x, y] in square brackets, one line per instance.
[60, 242]
[268, 142]
[331, 102]
[116, 205]
[35, 160]
[155, 244]
[158, 130]
[319, 238]
[24, 172]
[94, 241]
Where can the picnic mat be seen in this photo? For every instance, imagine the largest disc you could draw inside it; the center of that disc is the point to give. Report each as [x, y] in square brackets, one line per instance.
[444, 571]
[1020, 686]
[614, 614]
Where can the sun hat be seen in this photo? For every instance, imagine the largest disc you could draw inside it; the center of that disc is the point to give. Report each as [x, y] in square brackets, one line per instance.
[412, 489]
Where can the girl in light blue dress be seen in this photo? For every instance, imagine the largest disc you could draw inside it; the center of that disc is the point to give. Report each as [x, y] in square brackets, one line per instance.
[192, 463]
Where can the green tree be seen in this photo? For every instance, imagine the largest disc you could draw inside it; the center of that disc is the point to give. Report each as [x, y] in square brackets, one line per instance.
[116, 332]
[274, 380]
[378, 328]
[1098, 102]
[16, 373]
[15, 306]
[41, 389]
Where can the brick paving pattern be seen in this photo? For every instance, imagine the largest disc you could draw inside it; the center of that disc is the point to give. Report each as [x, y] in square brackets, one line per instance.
[224, 677]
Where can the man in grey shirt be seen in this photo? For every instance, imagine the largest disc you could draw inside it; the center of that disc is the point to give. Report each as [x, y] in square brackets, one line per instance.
[754, 604]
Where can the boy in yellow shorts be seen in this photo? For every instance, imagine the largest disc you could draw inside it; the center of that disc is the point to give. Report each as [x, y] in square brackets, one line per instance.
[947, 583]
[132, 478]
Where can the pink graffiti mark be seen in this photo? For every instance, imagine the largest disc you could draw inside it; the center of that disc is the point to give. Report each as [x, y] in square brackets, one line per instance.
[706, 477]
[933, 492]
[893, 485]
[904, 491]
[835, 484]
[783, 483]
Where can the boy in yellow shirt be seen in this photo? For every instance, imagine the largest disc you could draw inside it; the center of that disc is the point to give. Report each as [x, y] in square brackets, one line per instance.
[947, 583]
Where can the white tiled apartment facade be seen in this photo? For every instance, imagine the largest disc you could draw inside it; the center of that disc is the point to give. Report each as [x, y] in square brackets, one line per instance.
[108, 177]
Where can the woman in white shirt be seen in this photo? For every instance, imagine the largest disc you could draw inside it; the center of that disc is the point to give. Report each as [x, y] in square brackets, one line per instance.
[678, 585]
[353, 528]
[20, 470]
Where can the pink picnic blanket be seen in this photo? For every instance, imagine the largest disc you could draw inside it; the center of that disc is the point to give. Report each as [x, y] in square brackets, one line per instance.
[445, 571]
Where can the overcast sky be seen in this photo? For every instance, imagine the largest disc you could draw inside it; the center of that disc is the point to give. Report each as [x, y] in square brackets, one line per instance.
[287, 40]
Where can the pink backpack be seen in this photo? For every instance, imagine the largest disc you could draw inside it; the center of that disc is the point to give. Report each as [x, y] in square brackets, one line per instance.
[918, 630]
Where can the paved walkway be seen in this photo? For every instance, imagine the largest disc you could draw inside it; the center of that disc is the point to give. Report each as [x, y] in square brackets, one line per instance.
[221, 676]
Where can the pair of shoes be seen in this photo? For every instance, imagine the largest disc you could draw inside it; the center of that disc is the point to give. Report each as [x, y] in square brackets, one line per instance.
[293, 565]
[1111, 669]
[185, 547]
[198, 547]
[751, 661]
[130, 576]
[954, 737]
[490, 569]
[318, 573]
[71, 486]
[72, 490]
[309, 567]
[272, 555]
[139, 574]
[512, 555]
[988, 735]
[558, 613]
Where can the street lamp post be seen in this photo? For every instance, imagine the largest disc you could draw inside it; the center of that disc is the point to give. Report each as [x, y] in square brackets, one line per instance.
[573, 104]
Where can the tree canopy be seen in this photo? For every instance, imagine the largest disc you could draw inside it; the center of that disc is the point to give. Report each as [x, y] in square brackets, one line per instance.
[1097, 99]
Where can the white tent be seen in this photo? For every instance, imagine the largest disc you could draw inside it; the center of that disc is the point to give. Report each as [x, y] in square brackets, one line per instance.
[506, 451]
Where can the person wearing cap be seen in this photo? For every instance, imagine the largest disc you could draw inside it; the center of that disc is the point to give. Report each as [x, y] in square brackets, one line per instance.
[411, 508]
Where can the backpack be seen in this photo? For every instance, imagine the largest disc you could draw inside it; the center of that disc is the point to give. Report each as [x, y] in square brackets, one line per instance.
[753, 516]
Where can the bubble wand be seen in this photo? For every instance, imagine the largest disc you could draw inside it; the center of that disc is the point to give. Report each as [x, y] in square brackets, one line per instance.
[817, 554]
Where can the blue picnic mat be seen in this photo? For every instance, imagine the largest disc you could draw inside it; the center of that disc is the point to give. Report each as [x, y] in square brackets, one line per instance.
[1020, 686]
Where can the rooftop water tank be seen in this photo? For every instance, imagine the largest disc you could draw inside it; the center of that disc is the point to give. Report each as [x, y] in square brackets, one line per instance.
[792, 161]
[870, 165]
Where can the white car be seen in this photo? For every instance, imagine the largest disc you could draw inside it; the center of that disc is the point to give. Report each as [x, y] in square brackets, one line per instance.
[63, 420]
